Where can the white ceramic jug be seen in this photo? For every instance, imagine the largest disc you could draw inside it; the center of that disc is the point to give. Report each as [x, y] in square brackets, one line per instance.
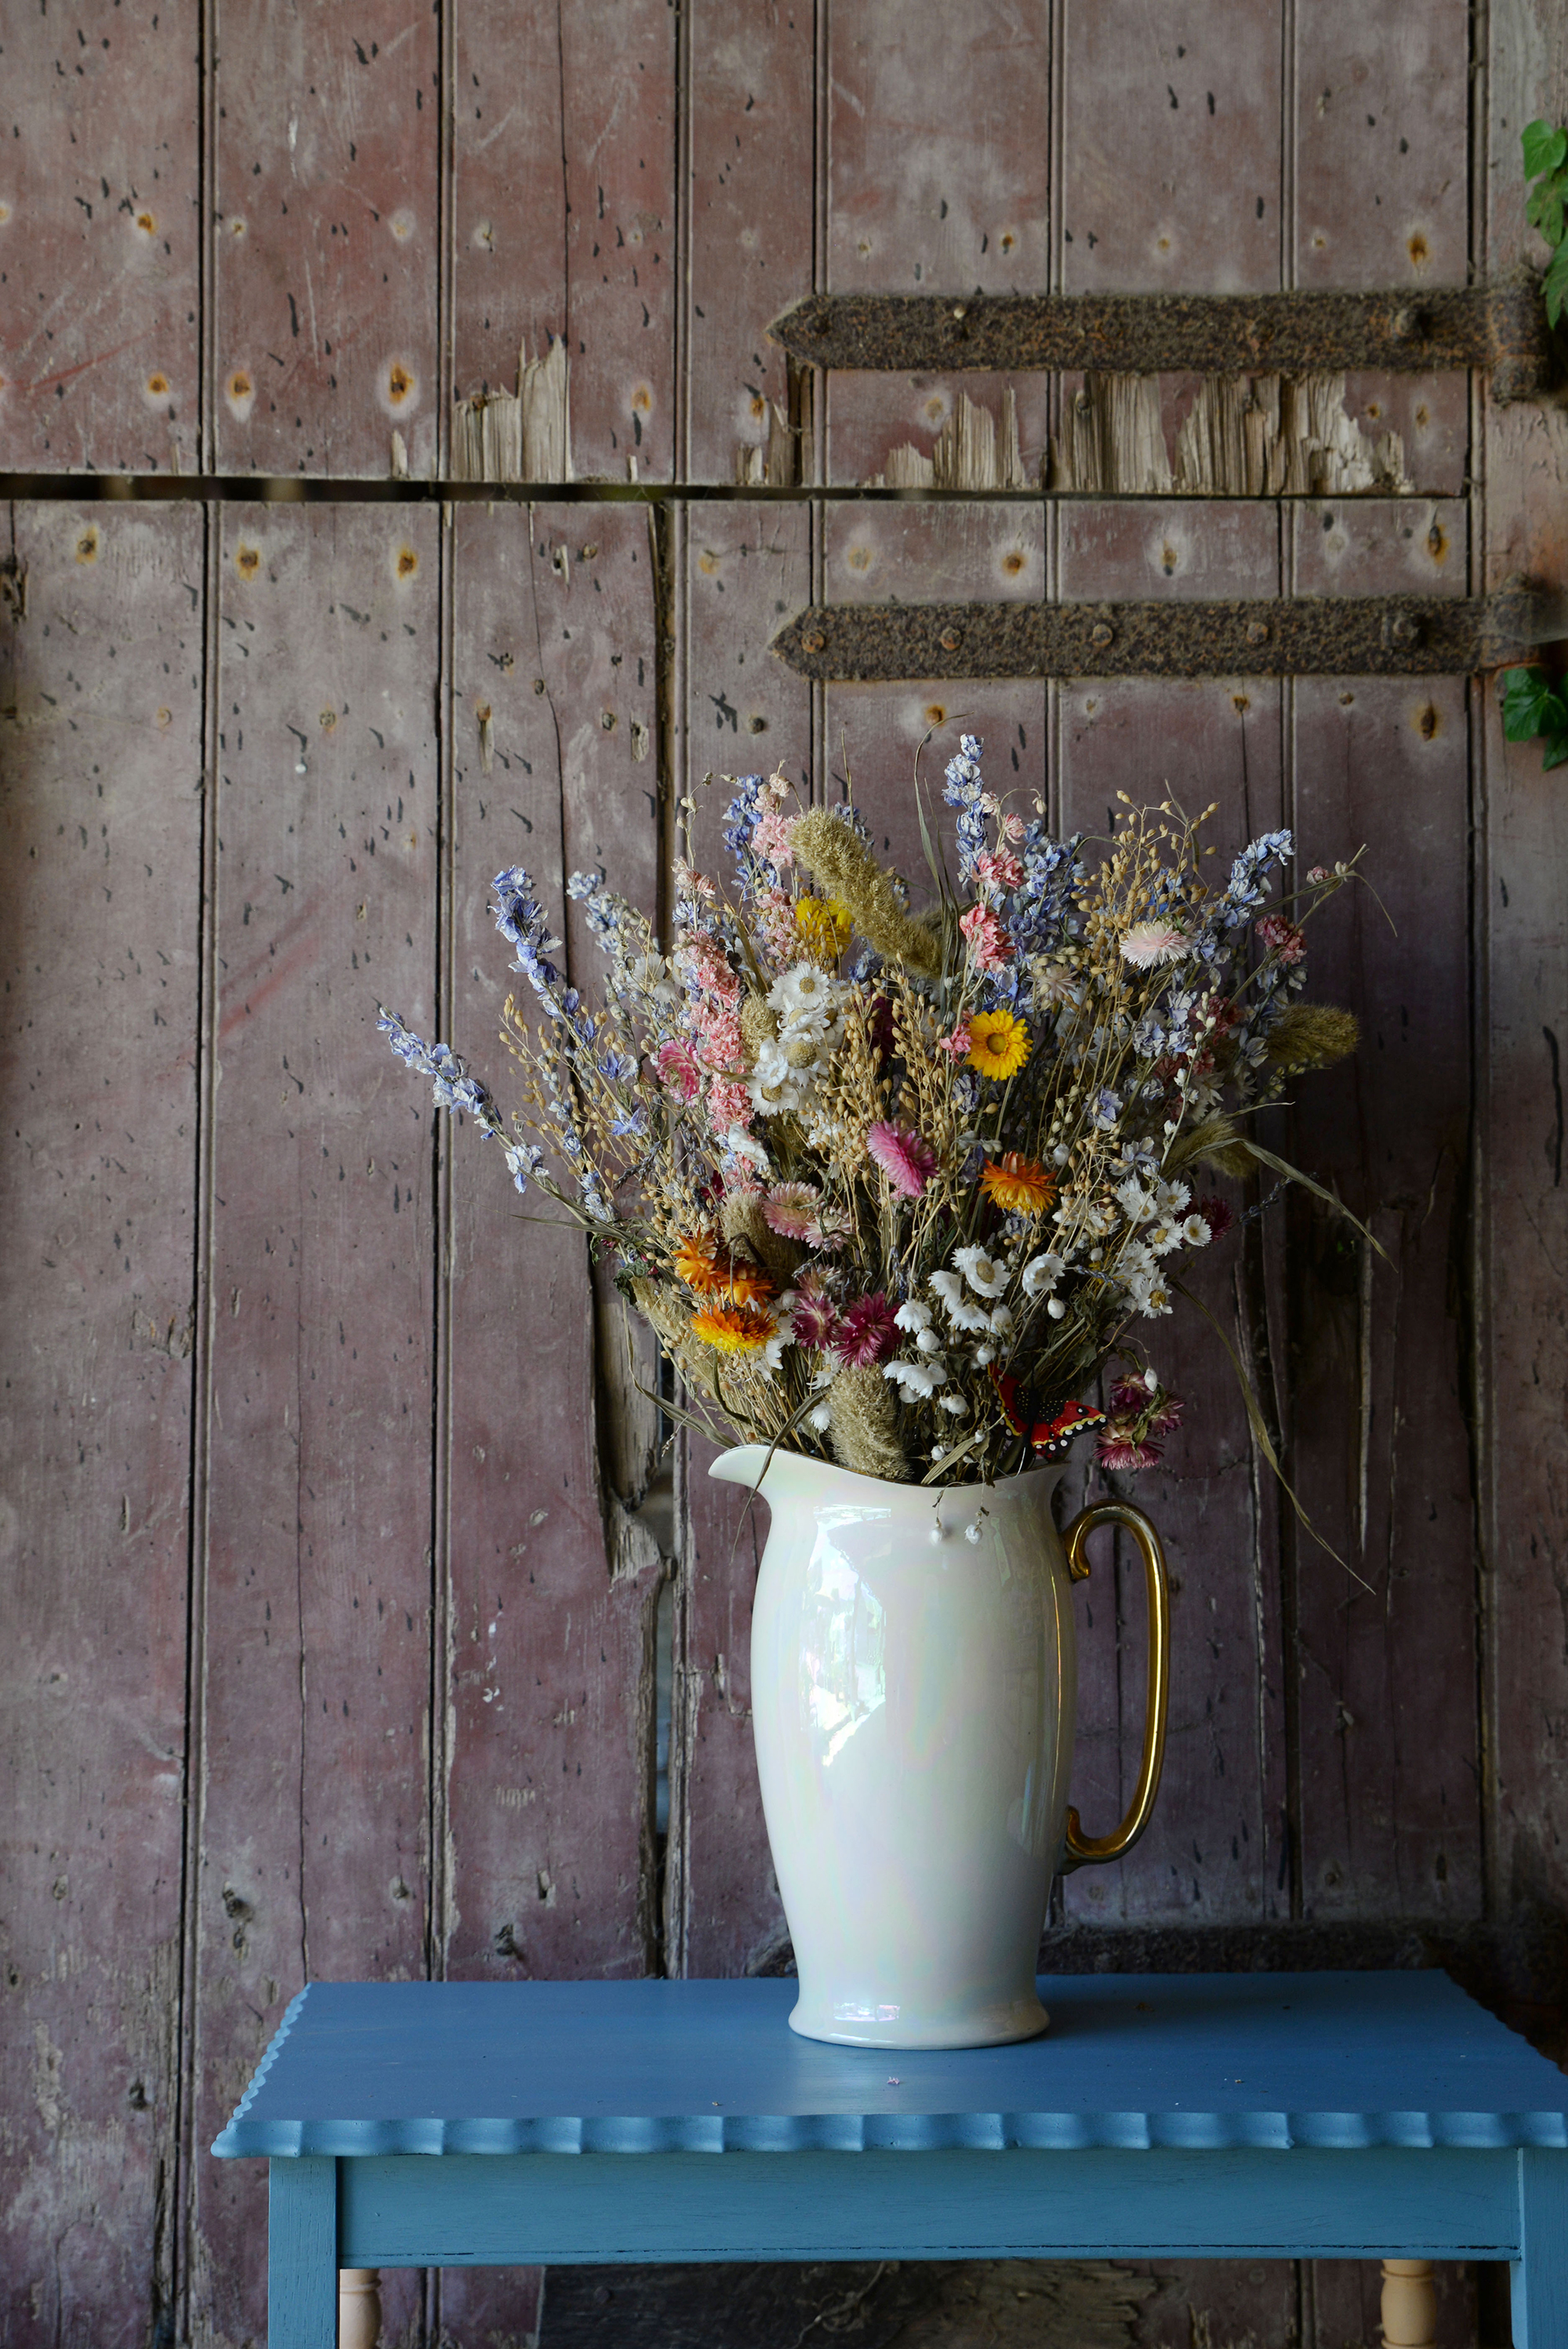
[913, 1686]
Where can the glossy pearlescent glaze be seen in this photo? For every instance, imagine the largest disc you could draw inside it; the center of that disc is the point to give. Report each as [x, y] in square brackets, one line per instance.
[914, 1681]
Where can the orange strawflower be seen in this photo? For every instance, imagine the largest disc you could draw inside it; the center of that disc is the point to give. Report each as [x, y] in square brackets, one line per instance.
[707, 1267]
[733, 1329]
[1019, 1185]
[748, 1283]
[697, 1262]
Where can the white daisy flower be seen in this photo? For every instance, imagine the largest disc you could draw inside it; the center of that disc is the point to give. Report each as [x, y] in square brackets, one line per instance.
[1137, 1204]
[1164, 1237]
[949, 1287]
[1041, 1272]
[803, 989]
[986, 1276]
[1170, 1198]
[1195, 1232]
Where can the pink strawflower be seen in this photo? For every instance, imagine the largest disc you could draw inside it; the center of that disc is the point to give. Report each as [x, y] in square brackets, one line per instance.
[829, 1230]
[1116, 1450]
[957, 1045]
[1130, 1393]
[1147, 943]
[791, 1207]
[678, 1069]
[813, 1318]
[905, 1157]
[999, 868]
[1216, 1213]
[866, 1331]
[770, 838]
[1280, 935]
[727, 1105]
[1013, 827]
[989, 944]
[692, 883]
[1318, 875]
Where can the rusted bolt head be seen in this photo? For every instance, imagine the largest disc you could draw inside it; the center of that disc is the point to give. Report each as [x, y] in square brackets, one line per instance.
[959, 311]
[1399, 629]
[950, 640]
[815, 641]
[1257, 632]
[1408, 323]
[1102, 634]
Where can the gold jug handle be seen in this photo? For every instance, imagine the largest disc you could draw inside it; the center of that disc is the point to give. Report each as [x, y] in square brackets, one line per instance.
[1081, 1848]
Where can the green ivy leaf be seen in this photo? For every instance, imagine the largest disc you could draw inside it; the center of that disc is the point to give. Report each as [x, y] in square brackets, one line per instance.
[1551, 220]
[1556, 285]
[1556, 754]
[1523, 692]
[1544, 148]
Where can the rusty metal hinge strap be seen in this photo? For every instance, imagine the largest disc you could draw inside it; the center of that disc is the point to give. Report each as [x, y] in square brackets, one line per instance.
[1309, 636]
[1500, 326]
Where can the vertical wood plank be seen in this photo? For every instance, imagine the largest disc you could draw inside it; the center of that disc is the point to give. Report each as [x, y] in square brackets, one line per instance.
[1171, 172]
[551, 1586]
[1382, 196]
[312, 1763]
[938, 181]
[1388, 1673]
[745, 712]
[100, 220]
[748, 176]
[1215, 1852]
[100, 735]
[1521, 1203]
[986, 553]
[564, 215]
[326, 238]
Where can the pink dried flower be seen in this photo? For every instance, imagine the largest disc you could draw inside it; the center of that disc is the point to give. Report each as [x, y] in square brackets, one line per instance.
[1130, 1393]
[721, 1042]
[1013, 827]
[989, 944]
[770, 838]
[1141, 1408]
[1216, 1213]
[905, 1157]
[1318, 875]
[999, 868]
[1118, 1450]
[1280, 935]
[813, 1319]
[692, 883]
[678, 1069]
[789, 1208]
[866, 1331]
[776, 920]
[1147, 943]
[829, 1229]
[727, 1105]
[956, 1046]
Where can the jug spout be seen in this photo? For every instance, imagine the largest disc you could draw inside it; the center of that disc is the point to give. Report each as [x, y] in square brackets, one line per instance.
[775, 1473]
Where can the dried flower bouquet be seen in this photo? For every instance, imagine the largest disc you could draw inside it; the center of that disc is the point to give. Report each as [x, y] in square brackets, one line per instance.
[894, 1188]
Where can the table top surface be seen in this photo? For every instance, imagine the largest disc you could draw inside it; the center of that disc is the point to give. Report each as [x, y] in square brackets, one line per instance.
[1198, 2061]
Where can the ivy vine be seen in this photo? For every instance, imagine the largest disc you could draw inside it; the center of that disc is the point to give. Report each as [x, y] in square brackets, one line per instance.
[1534, 709]
[1546, 208]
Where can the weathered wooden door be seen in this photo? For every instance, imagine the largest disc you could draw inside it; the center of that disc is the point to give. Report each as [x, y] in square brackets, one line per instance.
[402, 484]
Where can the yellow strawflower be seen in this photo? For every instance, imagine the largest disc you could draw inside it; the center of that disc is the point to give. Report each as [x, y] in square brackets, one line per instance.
[998, 1044]
[733, 1329]
[823, 926]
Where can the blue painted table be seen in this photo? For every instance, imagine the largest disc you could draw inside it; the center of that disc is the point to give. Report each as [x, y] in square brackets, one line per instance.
[1222, 2115]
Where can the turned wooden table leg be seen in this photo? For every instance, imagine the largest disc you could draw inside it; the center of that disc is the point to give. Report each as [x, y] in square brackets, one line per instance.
[1409, 2305]
[359, 2308]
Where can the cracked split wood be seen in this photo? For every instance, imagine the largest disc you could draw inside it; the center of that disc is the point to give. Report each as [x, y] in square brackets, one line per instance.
[521, 436]
[1243, 436]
